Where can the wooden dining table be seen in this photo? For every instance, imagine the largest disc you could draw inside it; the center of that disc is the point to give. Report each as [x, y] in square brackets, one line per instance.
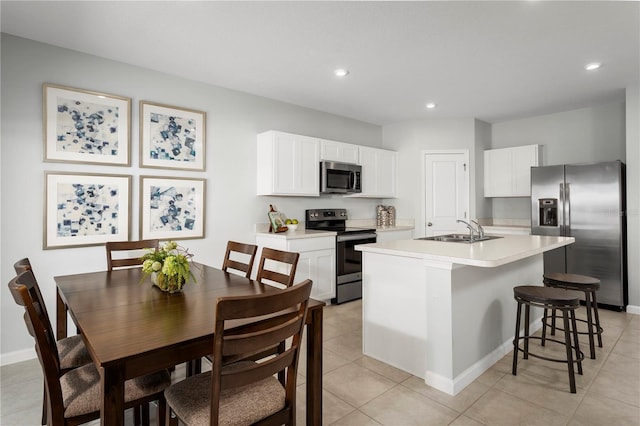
[132, 328]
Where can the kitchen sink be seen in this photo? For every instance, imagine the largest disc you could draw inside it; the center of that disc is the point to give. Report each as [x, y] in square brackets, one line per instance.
[458, 238]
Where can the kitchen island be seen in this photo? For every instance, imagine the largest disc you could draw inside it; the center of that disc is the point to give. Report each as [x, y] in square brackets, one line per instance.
[444, 311]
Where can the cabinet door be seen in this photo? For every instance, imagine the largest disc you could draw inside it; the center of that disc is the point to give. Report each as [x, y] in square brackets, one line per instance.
[497, 173]
[338, 151]
[378, 172]
[386, 173]
[320, 267]
[295, 165]
[523, 158]
[507, 171]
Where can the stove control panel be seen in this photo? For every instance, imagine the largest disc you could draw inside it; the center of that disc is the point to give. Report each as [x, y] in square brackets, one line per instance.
[326, 215]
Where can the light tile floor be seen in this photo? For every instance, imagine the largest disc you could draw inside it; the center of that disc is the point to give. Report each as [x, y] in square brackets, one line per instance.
[359, 390]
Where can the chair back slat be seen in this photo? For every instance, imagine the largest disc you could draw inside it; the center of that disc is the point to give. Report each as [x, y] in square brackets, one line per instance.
[22, 265]
[39, 326]
[123, 254]
[248, 250]
[288, 310]
[282, 260]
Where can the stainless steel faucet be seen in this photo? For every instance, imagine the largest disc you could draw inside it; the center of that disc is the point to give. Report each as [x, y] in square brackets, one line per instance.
[478, 229]
[468, 225]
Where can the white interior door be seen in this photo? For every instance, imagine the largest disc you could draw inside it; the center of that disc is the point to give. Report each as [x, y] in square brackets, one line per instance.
[446, 181]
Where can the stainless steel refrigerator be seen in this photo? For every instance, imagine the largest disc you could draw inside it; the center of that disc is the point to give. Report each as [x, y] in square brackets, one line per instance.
[587, 202]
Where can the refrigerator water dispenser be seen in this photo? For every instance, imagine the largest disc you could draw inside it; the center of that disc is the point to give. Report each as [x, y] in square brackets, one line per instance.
[548, 211]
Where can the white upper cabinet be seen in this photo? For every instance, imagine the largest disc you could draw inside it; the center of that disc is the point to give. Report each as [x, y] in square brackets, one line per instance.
[378, 172]
[287, 164]
[338, 151]
[507, 171]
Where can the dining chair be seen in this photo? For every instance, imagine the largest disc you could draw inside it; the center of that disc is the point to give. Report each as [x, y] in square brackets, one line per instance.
[272, 261]
[72, 350]
[236, 264]
[117, 250]
[74, 397]
[125, 254]
[246, 392]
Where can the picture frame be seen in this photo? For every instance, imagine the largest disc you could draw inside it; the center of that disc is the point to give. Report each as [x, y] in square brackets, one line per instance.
[83, 126]
[172, 137]
[85, 209]
[172, 208]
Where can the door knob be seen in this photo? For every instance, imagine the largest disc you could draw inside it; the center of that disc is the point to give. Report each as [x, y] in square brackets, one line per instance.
[429, 224]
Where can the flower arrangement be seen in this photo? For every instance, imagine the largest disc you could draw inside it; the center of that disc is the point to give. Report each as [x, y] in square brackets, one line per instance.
[168, 267]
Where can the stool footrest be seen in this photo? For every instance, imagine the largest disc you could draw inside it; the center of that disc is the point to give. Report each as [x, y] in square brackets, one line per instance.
[529, 353]
[600, 329]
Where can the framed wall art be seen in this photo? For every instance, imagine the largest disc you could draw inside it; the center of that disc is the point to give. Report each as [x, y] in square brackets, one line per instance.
[86, 209]
[171, 208]
[85, 127]
[172, 137]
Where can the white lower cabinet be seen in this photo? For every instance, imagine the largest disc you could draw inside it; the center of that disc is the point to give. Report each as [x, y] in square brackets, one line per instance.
[317, 261]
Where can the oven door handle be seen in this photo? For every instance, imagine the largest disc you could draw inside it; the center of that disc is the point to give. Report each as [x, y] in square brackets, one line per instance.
[341, 238]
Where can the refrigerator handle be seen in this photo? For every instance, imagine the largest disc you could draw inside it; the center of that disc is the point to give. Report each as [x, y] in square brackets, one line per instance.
[567, 209]
[561, 207]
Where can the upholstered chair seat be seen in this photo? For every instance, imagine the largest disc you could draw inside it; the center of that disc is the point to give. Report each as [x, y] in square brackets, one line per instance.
[72, 352]
[81, 389]
[190, 400]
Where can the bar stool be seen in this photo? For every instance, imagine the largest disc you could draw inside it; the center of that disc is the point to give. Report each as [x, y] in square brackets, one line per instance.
[549, 298]
[589, 286]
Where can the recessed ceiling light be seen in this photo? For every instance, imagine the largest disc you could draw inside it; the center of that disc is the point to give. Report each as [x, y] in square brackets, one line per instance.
[431, 105]
[341, 72]
[593, 66]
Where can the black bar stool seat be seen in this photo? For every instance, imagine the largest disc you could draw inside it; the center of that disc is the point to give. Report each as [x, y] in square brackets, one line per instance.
[589, 286]
[549, 298]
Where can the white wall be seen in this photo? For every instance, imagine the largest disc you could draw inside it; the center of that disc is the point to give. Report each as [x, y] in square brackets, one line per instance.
[577, 136]
[633, 196]
[233, 120]
[409, 139]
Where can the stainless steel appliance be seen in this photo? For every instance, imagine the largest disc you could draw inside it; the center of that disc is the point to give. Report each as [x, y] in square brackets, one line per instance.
[340, 178]
[348, 260]
[587, 202]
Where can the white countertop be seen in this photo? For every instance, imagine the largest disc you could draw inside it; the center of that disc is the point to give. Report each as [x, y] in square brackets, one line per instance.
[488, 254]
[394, 228]
[298, 233]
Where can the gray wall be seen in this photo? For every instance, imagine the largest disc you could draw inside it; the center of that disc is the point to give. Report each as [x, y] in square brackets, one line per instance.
[233, 120]
[410, 139]
[578, 136]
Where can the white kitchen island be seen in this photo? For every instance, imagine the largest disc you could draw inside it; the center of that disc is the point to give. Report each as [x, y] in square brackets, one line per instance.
[444, 311]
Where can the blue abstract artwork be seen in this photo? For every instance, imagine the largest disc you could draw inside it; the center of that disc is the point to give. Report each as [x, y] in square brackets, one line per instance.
[172, 138]
[173, 208]
[86, 128]
[87, 210]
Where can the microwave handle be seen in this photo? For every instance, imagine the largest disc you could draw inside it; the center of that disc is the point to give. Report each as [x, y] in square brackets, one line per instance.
[352, 180]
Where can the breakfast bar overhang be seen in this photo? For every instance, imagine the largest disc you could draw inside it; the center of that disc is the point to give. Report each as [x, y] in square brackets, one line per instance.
[444, 311]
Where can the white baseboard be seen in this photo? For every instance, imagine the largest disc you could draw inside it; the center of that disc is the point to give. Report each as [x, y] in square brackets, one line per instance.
[452, 387]
[632, 309]
[17, 356]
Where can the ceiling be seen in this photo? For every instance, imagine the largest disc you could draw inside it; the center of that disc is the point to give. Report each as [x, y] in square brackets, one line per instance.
[494, 61]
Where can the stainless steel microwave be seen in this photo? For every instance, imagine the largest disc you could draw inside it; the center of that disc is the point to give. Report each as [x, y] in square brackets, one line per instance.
[340, 178]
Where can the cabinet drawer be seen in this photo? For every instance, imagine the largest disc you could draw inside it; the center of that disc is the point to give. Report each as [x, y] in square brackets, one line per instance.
[310, 244]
